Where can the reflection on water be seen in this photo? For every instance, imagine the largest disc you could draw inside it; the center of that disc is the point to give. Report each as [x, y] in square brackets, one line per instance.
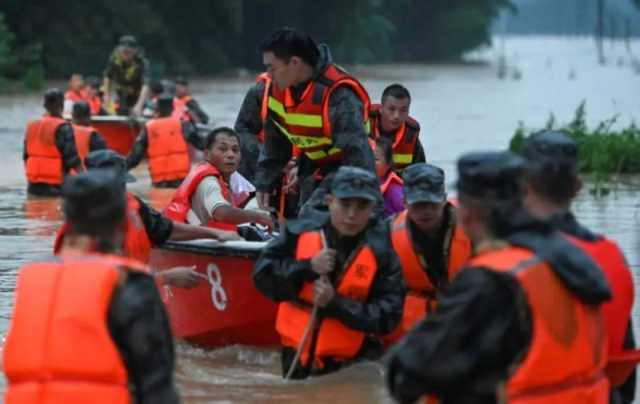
[460, 108]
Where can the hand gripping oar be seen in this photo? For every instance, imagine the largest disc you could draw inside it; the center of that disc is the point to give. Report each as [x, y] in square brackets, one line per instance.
[310, 325]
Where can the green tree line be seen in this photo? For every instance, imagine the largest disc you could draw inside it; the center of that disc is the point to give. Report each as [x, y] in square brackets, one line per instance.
[198, 37]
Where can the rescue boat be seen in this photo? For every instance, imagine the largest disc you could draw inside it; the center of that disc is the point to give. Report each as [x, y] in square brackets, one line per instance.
[226, 309]
[118, 131]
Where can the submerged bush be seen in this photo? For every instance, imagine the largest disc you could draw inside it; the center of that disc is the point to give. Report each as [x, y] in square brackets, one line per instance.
[602, 151]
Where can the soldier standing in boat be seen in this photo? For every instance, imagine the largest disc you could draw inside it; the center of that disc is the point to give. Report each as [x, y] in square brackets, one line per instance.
[317, 107]
[89, 327]
[521, 323]
[336, 278]
[249, 126]
[127, 73]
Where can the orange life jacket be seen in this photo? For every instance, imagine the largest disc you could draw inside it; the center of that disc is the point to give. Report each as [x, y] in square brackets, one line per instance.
[75, 96]
[44, 162]
[617, 311]
[306, 123]
[180, 109]
[334, 340]
[421, 296]
[59, 348]
[392, 178]
[136, 245]
[565, 360]
[404, 141]
[180, 204]
[136, 240]
[82, 135]
[95, 104]
[168, 151]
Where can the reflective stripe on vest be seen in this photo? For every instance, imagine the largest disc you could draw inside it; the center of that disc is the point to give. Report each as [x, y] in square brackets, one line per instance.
[334, 339]
[421, 291]
[563, 327]
[82, 135]
[44, 162]
[167, 150]
[306, 123]
[404, 139]
[59, 348]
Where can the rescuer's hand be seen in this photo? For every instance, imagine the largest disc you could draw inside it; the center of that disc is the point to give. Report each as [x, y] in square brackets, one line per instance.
[323, 292]
[324, 262]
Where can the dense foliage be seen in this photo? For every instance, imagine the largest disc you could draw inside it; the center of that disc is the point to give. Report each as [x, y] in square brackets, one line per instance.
[204, 37]
[602, 151]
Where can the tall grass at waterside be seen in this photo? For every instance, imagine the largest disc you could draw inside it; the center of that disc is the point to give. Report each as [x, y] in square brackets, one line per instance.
[603, 151]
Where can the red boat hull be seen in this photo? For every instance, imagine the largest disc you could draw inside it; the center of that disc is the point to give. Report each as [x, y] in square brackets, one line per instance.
[119, 132]
[225, 309]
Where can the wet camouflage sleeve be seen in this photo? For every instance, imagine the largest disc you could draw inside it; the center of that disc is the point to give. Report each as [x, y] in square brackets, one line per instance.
[248, 125]
[138, 150]
[66, 144]
[345, 113]
[463, 350]
[140, 329]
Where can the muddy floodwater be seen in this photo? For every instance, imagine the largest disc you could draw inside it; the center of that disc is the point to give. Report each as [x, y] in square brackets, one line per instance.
[460, 108]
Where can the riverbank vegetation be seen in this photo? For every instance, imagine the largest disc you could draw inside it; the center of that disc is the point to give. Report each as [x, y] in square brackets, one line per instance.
[203, 37]
[20, 69]
[603, 151]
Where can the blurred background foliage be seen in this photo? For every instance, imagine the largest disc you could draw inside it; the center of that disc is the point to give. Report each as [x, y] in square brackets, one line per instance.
[41, 39]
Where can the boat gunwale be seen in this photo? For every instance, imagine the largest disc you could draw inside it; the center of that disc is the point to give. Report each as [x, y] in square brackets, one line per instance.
[245, 249]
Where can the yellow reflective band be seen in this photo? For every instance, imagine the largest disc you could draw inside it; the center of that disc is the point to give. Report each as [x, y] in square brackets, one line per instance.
[367, 127]
[320, 154]
[308, 120]
[402, 158]
[303, 142]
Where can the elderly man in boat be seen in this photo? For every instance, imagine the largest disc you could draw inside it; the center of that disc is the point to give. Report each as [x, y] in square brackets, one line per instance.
[213, 194]
[146, 227]
[336, 278]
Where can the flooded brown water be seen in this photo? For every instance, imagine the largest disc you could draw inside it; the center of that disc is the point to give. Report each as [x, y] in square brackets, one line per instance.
[460, 108]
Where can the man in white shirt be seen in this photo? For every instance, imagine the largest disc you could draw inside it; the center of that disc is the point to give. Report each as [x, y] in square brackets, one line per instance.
[206, 197]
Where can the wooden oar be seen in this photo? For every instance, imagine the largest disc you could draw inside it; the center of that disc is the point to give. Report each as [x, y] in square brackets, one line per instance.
[310, 324]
